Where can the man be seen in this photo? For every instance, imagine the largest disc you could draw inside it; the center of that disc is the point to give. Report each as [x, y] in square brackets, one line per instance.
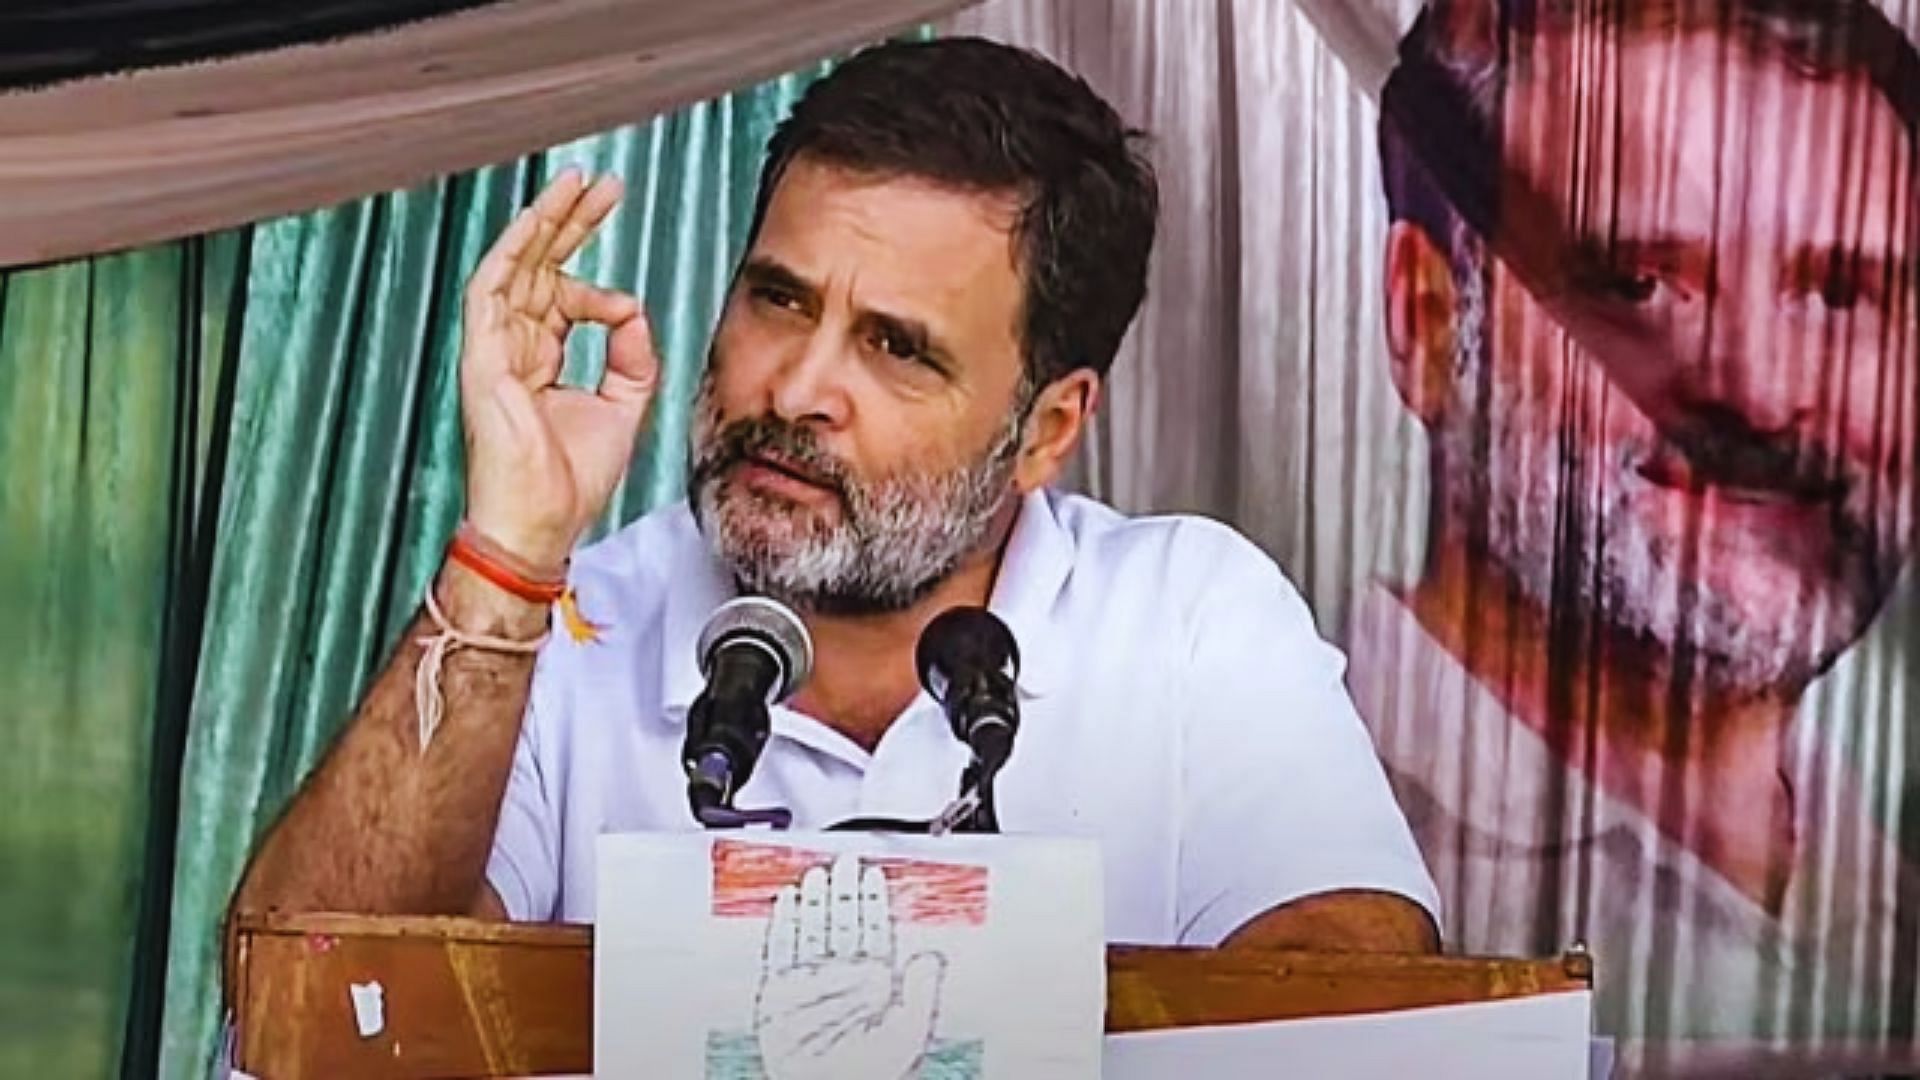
[950, 241]
[1650, 290]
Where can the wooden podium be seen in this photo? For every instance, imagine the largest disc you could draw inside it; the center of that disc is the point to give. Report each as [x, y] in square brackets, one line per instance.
[465, 998]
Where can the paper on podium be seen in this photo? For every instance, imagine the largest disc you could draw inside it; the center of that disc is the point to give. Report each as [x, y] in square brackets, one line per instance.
[1544, 1037]
[793, 955]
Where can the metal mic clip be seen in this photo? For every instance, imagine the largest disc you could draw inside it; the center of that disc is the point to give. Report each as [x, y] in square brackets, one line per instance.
[710, 790]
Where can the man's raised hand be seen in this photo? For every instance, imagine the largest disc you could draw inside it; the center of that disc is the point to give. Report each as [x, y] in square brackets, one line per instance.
[543, 459]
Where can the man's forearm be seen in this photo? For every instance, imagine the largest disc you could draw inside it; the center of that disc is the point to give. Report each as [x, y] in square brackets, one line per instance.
[1342, 921]
[383, 828]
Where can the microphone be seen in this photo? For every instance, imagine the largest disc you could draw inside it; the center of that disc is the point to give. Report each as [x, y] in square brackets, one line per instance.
[968, 661]
[754, 653]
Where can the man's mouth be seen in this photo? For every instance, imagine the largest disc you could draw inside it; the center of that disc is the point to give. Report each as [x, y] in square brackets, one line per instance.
[792, 471]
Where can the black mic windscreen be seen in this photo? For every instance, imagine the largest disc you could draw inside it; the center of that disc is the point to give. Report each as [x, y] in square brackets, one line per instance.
[769, 624]
[962, 641]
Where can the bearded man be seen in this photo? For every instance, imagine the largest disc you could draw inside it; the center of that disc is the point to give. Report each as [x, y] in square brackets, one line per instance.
[950, 241]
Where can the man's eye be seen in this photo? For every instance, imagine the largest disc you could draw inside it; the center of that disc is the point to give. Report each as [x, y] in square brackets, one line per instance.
[1635, 288]
[895, 345]
[1840, 289]
[1840, 281]
[776, 297]
[1607, 278]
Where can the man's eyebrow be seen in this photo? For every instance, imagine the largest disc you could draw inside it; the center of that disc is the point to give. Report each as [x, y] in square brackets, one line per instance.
[1858, 263]
[764, 272]
[913, 331]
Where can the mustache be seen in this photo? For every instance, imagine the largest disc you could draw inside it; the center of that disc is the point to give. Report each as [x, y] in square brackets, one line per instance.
[1723, 447]
[782, 444]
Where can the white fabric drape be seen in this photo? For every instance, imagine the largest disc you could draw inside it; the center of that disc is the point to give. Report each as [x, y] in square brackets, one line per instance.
[1251, 388]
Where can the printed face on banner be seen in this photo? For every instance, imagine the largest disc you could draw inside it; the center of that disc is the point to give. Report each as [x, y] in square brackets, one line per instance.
[1758, 222]
[1651, 293]
[842, 955]
[1696, 414]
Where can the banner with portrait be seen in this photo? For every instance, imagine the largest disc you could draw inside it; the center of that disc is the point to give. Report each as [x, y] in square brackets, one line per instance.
[1649, 295]
[1564, 353]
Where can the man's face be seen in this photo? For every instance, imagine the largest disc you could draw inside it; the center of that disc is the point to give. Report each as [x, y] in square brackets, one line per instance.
[1758, 226]
[856, 430]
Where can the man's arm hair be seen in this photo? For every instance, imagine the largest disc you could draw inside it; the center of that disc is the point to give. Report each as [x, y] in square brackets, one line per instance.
[384, 827]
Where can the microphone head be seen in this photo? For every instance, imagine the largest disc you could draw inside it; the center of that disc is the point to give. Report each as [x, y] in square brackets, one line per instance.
[964, 640]
[771, 625]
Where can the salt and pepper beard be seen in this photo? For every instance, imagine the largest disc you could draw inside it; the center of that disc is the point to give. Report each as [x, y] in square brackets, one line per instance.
[897, 536]
[1631, 576]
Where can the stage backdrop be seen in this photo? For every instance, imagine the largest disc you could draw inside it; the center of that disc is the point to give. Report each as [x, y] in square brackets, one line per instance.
[1565, 354]
[1562, 352]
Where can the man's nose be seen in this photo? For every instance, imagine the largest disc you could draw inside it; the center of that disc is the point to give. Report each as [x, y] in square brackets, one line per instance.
[1747, 364]
[809, 386]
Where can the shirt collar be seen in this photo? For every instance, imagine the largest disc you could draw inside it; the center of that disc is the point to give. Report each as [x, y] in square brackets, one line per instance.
[1038, 559]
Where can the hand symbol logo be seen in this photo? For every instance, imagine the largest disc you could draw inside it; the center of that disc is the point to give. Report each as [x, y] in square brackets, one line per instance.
[832, 1004]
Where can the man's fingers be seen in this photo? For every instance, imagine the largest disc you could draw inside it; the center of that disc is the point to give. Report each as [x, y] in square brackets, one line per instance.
[876, 917]
[633, 366]
[496, 267]
[783, 930]
[581, 302]
[553, 206]
[812, 946]
[551, 209]
[521, 245]
[542, 289]
[593, 207]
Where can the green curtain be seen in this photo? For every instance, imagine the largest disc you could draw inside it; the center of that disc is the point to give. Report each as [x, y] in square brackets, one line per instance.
[230, 465]
[110, 372]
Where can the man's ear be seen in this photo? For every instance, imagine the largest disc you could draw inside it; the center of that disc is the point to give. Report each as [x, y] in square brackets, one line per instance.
[1467, 32]
[1059, 415]
[1421, 298]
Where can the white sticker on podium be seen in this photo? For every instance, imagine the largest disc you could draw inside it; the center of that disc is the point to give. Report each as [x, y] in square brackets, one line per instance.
[848, 955]
[369, 1008]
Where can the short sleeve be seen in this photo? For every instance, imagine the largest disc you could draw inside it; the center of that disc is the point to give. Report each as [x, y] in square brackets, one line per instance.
[524, 866]
[1283, 795]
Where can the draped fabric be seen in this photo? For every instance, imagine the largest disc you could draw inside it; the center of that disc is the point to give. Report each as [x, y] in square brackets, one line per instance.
[1594, 447]
[230, 467]
[346, 476]
[111, 371]
[133, 121]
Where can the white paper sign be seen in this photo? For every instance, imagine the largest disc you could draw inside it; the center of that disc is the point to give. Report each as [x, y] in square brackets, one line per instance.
[1545, 1037]
[843, 956]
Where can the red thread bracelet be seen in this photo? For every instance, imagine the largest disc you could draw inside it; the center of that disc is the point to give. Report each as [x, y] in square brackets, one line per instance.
[467, 553]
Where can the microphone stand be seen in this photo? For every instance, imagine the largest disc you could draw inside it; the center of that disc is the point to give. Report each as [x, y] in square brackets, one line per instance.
[984, 818]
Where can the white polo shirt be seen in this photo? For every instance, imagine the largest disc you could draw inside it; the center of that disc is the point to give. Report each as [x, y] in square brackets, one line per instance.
[1177, 706]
